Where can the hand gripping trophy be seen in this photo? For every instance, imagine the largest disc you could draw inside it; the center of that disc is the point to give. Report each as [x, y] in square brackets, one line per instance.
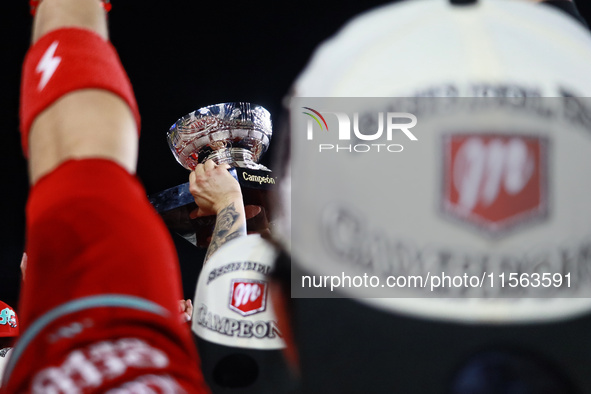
[235, 133]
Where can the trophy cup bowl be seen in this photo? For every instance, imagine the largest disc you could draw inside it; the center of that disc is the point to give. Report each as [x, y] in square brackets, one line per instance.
[235, 133]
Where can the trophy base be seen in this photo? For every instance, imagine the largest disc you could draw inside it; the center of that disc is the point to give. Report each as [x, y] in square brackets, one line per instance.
[176, 204]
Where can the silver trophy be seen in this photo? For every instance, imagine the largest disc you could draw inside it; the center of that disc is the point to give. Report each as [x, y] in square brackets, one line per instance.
[235, 133]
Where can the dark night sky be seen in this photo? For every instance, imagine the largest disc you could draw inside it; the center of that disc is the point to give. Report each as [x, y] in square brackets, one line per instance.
[180, 55]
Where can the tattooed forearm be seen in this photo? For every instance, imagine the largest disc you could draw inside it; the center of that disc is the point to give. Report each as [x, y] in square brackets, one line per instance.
[230, 223]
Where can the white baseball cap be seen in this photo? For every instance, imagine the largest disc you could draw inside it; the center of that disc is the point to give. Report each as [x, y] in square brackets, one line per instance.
[432, 48]
[233, 306]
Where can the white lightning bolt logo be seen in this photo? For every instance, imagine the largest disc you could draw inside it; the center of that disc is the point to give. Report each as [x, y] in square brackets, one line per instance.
[48, 65]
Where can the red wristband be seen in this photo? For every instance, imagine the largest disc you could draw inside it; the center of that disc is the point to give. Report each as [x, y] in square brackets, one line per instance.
[66, 60]
[33, 4]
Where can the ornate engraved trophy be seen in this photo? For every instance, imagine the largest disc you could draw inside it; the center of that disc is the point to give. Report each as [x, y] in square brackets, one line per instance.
[235, 133]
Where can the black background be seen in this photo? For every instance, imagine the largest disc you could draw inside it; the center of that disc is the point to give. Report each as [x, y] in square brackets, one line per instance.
[180, 56]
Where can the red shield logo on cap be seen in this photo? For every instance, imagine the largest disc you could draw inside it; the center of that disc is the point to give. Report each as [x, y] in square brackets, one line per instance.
[496, 182]
[247, 296]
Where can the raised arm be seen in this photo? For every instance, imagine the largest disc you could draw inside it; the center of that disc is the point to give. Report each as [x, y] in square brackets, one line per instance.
[100, 262]
[96, 118]
[216, 192]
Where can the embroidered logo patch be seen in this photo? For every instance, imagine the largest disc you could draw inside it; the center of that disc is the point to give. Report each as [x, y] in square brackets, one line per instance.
[495, 182]
[8, 317]
[248, 296]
